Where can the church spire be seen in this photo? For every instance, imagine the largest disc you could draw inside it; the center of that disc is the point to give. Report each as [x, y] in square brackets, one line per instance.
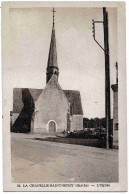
[52, 66]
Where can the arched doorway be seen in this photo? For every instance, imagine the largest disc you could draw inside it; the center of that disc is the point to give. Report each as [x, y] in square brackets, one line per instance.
[52, 127]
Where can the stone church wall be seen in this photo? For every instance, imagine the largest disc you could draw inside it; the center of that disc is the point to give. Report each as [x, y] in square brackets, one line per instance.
[52, 105]
[77, 122]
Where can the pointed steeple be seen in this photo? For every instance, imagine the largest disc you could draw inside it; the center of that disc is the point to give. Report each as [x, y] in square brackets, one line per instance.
[52, 59]
[52, 65]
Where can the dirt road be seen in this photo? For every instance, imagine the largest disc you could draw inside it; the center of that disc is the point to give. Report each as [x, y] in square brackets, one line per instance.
[41, 161]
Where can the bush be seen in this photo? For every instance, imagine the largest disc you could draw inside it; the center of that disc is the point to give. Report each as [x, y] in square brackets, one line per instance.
[80, 134]
[97, 133]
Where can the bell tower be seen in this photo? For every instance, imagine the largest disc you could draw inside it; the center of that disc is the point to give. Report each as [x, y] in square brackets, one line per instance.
[52, 65]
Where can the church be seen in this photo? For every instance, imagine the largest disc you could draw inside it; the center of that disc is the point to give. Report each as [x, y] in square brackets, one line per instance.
[48, 110]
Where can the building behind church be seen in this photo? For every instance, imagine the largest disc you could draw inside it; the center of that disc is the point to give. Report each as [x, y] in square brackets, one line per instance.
[50, 109]
[115, 107]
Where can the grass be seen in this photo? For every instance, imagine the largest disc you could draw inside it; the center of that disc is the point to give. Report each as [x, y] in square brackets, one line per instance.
[76, 141]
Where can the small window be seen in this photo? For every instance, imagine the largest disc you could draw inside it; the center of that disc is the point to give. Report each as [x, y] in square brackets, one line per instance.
[117, 126]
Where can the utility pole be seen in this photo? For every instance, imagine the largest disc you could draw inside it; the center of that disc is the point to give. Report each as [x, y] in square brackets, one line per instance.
[107, 81]
[109, 131]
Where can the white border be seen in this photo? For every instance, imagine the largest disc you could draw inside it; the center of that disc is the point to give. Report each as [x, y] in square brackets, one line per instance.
[123, 138]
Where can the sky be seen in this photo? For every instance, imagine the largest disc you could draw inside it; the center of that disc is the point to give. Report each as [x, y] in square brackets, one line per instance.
[80, 60]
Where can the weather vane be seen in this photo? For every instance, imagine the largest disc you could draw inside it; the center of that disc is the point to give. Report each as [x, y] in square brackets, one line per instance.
[53, 15]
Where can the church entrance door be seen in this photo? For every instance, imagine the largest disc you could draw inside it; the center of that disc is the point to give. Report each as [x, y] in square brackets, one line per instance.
[52, 127]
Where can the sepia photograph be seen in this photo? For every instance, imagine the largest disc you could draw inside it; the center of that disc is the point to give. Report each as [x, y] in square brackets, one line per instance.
[62, 67]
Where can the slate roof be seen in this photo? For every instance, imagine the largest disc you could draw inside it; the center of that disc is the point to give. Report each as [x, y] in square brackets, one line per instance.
[52, 59]
[73, 97]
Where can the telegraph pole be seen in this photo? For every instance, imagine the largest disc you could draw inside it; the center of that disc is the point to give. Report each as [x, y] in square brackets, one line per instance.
[107, 81]
[109, 130]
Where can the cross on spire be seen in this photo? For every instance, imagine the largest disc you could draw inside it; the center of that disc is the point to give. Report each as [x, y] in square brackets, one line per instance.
[52, 65]
[53, 15]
